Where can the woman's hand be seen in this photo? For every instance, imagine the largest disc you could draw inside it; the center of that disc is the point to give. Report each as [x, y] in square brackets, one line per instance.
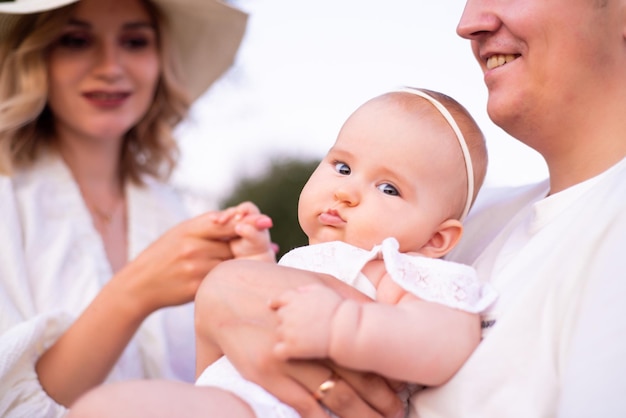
[377, 394]
[169, 271]
[233, 313]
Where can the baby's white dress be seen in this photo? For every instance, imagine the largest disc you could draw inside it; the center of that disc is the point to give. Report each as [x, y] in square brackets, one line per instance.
[452, 284]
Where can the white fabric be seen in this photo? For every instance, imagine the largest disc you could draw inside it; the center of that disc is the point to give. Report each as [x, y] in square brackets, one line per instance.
[452, 284]
[53, 262]
[445, 282]
[545, 356]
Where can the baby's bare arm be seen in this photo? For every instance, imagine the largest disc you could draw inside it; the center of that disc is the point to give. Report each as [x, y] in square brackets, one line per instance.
[400, 336]
[414, 340]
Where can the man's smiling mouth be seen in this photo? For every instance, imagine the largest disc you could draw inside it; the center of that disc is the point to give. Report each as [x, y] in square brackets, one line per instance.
[499, 60]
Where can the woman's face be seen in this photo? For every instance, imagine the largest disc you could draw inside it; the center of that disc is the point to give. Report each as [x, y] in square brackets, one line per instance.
[103, 70]
[543, 59]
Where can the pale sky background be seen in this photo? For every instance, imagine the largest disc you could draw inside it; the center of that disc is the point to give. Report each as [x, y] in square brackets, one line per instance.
[304, 66]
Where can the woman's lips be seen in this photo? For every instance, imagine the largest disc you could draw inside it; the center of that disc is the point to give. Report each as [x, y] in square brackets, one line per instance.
[106, 99]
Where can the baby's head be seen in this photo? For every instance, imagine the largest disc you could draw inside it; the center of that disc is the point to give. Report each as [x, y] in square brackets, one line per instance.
[397, 169]
[470, 140]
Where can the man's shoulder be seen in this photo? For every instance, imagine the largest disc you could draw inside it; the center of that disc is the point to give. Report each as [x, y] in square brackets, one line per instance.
[493, 210]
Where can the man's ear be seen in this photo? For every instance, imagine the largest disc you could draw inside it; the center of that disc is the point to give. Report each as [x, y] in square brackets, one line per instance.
[444, 239]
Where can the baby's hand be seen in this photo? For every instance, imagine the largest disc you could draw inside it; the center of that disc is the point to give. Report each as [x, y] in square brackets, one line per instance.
[305, 321]
[252, 229]
[235, 214]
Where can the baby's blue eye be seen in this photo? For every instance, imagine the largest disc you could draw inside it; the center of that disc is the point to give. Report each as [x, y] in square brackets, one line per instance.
[343, 168]
[387, 188]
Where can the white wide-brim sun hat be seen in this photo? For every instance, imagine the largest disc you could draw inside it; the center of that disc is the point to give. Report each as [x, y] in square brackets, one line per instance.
[206, 34]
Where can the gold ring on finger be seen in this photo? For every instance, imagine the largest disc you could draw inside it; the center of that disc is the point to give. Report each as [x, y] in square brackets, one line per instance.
[325, 387]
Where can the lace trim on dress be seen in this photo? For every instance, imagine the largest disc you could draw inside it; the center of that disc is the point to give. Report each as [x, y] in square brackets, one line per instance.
[436, 280]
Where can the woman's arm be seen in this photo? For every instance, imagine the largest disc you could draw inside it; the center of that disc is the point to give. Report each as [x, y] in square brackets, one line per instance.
[167, 273]
[233, 313]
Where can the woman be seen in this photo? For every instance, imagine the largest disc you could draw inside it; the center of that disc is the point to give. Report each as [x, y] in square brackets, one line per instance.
[89, 94]
[554, 344]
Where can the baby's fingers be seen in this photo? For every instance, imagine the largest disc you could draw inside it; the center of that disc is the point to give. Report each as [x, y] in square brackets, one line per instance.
[263, 221]
[259, 221]
[236, 213]
[226, 215]
[249, 232]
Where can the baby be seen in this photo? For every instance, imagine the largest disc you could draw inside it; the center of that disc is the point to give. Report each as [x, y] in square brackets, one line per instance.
[382, 208]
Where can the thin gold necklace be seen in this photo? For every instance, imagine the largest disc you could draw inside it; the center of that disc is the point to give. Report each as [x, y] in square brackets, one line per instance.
[105, 217]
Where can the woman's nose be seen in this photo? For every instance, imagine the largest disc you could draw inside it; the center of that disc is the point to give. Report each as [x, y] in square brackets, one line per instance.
[108, 61]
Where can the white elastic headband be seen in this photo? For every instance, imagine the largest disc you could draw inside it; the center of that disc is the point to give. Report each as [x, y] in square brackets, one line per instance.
[459, 136]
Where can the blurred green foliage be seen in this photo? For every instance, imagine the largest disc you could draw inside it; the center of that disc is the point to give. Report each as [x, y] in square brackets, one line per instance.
[276, 193]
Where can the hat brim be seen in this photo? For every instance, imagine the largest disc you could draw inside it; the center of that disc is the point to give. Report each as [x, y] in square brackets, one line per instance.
[11, 11]
[206, 33]
[32, 6]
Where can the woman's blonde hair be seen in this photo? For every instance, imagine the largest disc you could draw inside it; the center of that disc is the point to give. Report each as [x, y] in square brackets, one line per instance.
[27, 124]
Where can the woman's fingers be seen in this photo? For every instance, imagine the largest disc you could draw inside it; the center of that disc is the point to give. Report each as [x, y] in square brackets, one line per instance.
[169, 271]
[298, 397]
[235, 213]
[373, 389]
[207, 227]
[215, 250]
[331, 390]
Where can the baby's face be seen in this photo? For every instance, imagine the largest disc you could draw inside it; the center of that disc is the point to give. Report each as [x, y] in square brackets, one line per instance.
[390, 173]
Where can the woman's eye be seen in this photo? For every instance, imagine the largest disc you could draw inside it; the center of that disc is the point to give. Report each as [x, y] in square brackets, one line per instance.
[387, 188]
[73, 41]
[137, 42]
[342, 168]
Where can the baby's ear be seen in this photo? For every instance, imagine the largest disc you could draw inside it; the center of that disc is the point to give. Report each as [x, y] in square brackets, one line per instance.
[444, 239]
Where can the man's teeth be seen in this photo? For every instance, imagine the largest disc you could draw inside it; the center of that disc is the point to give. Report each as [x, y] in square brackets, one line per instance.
[499, 60]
